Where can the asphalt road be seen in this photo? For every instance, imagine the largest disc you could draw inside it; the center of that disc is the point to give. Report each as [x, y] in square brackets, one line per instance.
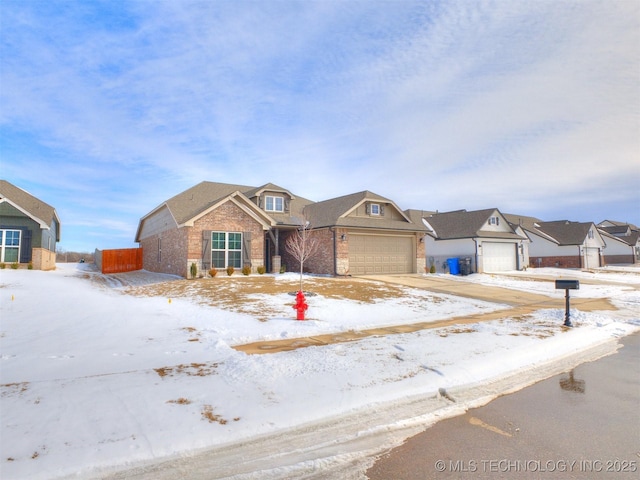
[583, 424]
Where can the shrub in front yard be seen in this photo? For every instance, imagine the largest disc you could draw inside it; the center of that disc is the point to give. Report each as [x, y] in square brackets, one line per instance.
[230, 270]
[15, 265]
[213, 272]
[261, 269]
[194, 270]
[246, 270]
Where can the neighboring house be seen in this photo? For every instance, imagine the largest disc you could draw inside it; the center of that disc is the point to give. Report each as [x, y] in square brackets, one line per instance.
[623, 242]
[216, 225]
[484, 236]
[562, 243]
[29, 228]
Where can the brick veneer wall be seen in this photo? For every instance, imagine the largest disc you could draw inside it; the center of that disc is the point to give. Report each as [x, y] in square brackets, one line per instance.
[330, 262]
[228, 217]
[43, 259]
[172, 258]
[183, 246]
[618, 259]
[562, 262]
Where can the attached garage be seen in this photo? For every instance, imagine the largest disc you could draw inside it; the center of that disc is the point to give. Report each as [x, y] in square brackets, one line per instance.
[499, 257]
[381, 254]
[591, 258]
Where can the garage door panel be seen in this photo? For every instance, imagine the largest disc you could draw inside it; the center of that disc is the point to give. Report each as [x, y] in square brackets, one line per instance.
[382, 254]
[499, 257]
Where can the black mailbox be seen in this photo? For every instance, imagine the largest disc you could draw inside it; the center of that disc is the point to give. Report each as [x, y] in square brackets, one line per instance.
[567, 285]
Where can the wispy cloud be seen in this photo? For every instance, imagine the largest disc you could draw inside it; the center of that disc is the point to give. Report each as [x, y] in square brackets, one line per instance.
[107, 109]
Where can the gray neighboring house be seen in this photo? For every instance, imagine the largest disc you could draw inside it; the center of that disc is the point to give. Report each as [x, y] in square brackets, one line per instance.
[217, 225]
[622, 242]
[562, 243]
[29, 228]
[484, 236]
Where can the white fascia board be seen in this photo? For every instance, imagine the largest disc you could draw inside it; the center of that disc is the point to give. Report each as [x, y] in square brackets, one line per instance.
[428, 225]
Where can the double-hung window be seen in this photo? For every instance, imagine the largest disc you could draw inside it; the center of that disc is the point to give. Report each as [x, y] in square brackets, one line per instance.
[9, 245]
[226, 249]
[274, 204]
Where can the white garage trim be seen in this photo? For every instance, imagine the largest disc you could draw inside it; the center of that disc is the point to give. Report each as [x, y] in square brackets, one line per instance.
[499, 257]
[381, 254]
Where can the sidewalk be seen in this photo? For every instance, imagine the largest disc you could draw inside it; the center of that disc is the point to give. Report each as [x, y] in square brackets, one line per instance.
[522, 303]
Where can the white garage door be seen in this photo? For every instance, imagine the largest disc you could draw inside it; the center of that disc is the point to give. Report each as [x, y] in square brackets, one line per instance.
[591, 258]
[379, 254]
[498, 257]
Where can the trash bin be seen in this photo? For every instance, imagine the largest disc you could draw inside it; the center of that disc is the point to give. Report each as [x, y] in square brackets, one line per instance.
[454, 266]
[465, 266]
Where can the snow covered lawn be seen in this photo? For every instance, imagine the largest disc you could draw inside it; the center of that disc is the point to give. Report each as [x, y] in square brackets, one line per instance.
[103, 373]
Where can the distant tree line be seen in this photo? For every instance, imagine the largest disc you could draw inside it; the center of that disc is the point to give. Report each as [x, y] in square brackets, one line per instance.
[64, 256]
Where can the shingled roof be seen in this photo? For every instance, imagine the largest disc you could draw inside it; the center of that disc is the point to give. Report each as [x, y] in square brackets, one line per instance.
[36, 209]
[192, 202]
[334, 213]
[564, 232]
[463, 224]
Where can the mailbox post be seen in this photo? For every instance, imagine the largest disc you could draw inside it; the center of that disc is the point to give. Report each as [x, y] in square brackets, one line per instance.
[567, 285]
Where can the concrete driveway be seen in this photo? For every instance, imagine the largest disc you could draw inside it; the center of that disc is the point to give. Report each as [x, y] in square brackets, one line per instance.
[522, 303]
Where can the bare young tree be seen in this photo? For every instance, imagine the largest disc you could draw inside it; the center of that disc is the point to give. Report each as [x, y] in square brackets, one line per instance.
[302, 245]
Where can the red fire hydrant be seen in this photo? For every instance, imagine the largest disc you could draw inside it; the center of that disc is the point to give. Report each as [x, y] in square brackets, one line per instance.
[301, 305]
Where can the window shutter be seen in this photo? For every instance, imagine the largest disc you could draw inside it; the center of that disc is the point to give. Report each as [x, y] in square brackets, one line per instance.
[381, 210]
[367, 210]
[25, 246]
[286, 205]
[246, 248]
[206, 250]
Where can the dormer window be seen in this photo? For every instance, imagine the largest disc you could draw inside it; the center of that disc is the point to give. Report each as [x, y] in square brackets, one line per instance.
[374, 209]
[494, 221]
[274, 204]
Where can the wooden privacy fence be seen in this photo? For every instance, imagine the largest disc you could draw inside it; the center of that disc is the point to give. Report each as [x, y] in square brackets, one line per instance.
[120, 260]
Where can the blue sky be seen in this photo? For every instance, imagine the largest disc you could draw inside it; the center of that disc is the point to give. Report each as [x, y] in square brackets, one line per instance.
[109, 108]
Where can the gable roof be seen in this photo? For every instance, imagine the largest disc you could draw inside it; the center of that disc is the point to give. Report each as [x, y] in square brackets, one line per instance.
[463, 224]
[39, 211]
[335, 213]
[528, 223]
[564, 232]
[614, 223]
[196, 201]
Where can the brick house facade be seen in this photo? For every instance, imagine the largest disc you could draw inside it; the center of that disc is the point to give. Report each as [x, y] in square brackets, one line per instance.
[215, 225]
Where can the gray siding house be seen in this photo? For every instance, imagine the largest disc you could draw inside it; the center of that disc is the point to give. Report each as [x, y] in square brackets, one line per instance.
[29, 228]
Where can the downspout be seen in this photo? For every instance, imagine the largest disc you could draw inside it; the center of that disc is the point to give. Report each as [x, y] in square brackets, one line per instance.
[476, 242]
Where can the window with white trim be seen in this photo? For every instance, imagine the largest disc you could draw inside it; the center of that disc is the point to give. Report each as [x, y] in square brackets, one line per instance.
[226, 249]
[590, 235]
[9, 245]
[274, 204]
[374, 209]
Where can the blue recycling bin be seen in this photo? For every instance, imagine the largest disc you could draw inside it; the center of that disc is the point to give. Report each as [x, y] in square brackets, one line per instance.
[454, 266]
